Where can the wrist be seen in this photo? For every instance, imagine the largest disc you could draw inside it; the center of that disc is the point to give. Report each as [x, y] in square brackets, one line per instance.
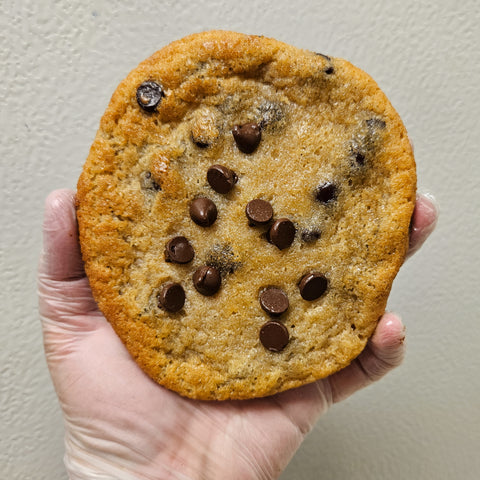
[82, 464]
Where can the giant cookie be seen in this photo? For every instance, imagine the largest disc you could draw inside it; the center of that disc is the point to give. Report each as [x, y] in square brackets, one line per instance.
[243, 212]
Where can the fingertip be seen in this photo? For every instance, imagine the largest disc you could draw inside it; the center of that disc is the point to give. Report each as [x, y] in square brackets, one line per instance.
[390, 333]
[61, 258]
[59, 217]
[58, 200]
[426, 211]
[424, 221]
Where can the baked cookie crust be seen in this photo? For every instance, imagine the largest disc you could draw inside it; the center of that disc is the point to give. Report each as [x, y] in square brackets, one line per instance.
[224, 118]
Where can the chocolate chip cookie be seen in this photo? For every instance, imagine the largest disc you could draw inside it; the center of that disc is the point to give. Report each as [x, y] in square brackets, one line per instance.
[243, 212]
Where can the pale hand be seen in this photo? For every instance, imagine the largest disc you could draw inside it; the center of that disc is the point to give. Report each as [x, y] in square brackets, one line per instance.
[121, 425]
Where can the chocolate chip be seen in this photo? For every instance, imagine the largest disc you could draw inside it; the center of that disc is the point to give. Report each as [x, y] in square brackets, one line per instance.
[274, 301]
[312, 286]
[207, 280]
[282, 233]
[148, 183]
[329, 70]
[271, 113]
[221, 178]
[179, 250]
[322, 55]
[376, 123]
[149, 95]
[247, 136]
[259, 212]
[171, 297]
[359, 158]
[203, 211]
[310, 236]
[326, 193]
[274, 336]
[364, 143]
[199, 143]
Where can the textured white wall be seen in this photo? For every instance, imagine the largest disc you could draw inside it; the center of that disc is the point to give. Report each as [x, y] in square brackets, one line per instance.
[60, 62]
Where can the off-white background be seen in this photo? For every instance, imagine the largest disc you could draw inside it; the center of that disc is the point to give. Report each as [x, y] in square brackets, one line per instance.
[60, 62]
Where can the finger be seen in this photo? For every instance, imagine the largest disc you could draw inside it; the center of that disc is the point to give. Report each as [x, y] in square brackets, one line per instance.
[385, 351]
[64, 291]
[303, 405]
[61, 258]
[424, 220]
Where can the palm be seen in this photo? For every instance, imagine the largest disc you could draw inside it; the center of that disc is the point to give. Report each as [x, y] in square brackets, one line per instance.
[85, 357]
[113, 408]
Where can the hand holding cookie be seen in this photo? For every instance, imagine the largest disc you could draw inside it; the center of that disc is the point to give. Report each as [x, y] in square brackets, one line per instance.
[120, 424]
[242, 215]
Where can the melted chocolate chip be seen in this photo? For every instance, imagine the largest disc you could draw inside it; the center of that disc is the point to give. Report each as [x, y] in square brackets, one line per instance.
[364, 143]
[259, 212]
[312, 286]
[179, 250]
[329, 70]
[221, 178]
[207, 280]
[271, 113]
[203, 212]
[359, 158]
[376, 123]
[274, 336]
[149, 95]
[326, 193]
[223, 258]
[247, 136]
[200, 143]
[148, 183]
[282, 233]
[274, 301]
[310, 236]
[171, 297]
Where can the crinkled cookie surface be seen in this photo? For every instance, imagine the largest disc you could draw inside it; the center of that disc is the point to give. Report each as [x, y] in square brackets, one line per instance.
[243, 212]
